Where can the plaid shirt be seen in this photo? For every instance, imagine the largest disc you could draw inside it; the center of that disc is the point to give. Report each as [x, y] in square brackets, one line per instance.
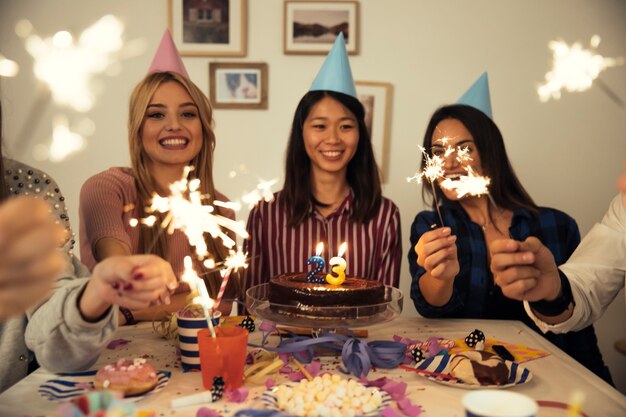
[475, 295]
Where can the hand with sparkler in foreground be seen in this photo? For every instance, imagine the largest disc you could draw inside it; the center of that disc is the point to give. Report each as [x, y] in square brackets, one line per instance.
[527, 271]
[133, 282]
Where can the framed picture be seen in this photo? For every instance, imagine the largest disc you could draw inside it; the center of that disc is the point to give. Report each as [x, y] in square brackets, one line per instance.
[312, 26]
[238, 85]
[209, 27]
[376, 97]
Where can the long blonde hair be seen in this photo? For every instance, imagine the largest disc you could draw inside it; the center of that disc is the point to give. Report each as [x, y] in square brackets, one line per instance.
[152, 238]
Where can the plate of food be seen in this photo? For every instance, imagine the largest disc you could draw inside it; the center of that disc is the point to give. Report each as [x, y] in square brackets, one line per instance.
[473, 370]
[323, 394]
[134, 378]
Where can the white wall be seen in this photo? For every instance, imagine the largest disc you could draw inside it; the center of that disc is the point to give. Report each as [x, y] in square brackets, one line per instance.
[567, 153]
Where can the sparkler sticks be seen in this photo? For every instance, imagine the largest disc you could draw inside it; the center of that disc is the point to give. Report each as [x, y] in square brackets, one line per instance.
[203, 299]
[234, 261]
[471, 184]
[433, 169]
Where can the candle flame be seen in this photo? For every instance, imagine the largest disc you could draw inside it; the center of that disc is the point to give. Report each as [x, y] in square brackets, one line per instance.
[342, 249]
[319, 249]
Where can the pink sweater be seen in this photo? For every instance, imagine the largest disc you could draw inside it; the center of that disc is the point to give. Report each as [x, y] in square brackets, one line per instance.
[105, 200]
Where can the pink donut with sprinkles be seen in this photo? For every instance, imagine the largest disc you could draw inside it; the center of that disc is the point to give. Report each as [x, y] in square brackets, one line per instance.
[129, 376]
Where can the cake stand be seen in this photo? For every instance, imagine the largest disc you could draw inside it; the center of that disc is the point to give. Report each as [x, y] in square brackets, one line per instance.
[343, 317]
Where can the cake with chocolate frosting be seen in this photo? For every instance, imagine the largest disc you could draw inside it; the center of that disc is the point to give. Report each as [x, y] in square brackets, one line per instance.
[293, 294]
[478, 367]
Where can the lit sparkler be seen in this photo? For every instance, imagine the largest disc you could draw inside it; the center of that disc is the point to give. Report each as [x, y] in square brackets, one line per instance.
[470, 184]
[196, 283]
[574, 69]
[8, 67]
[263, 191]
[186, 212]
[433, 169]
[67, 65]
[233, 262]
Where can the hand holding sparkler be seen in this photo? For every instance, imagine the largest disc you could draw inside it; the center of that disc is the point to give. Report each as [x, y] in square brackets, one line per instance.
[525, 270]
[134, 282]
[437, 254]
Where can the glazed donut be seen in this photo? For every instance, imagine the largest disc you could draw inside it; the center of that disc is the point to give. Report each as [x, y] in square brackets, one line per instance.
[129, 376]
[479, 368]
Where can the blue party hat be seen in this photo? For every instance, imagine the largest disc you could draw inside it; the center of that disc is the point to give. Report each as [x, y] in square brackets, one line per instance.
[477, 95]
[335, 74]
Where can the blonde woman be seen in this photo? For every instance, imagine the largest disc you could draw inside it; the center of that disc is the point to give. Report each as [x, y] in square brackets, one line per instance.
[170, 127]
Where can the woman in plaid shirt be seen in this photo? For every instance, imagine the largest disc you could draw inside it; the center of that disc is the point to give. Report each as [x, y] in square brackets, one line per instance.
[450, 263]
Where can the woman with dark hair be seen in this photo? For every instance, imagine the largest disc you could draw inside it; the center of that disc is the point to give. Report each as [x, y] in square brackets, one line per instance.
[449, 262]
[331, 194]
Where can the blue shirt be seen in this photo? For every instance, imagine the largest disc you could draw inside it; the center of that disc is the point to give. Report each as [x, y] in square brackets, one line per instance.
[474, 294]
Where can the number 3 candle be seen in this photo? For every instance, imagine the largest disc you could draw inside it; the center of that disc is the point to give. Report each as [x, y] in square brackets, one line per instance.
[319, 265]
[337, 264]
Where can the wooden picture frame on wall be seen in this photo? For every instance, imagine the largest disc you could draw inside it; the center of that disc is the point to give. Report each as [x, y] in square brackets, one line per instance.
[310, 27]
[209, 28]
[377, 98]
[238, 85]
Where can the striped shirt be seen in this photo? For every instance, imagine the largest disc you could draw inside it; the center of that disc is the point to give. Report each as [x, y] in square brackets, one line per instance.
[374, 248]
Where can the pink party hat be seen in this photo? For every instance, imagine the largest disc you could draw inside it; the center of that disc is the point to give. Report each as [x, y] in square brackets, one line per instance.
[167, 57]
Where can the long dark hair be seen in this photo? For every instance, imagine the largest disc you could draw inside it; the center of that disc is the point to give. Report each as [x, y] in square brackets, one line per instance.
[362, 173]
[505, 189]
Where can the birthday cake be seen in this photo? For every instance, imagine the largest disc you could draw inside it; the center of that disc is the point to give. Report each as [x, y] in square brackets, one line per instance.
[292, 294]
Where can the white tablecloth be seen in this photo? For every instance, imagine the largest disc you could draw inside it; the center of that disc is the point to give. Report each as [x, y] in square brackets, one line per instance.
[555, 377]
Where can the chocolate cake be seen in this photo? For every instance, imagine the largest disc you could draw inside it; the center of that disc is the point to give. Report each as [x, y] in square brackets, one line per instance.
[293, 294]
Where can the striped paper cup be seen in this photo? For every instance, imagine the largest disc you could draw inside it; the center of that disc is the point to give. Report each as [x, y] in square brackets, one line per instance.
[188, 328]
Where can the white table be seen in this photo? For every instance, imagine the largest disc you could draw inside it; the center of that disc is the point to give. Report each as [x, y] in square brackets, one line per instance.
[555, 377]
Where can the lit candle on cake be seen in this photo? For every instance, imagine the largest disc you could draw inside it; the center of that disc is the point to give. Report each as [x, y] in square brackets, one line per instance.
[337, 264]
[319, 265]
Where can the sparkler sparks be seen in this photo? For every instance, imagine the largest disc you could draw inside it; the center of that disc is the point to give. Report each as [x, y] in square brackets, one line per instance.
[196, 283]
[67, 66]
[574, 68]
[233, 262]
[263, 191]
[186, 212]
[433, 168]
[470, 184]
